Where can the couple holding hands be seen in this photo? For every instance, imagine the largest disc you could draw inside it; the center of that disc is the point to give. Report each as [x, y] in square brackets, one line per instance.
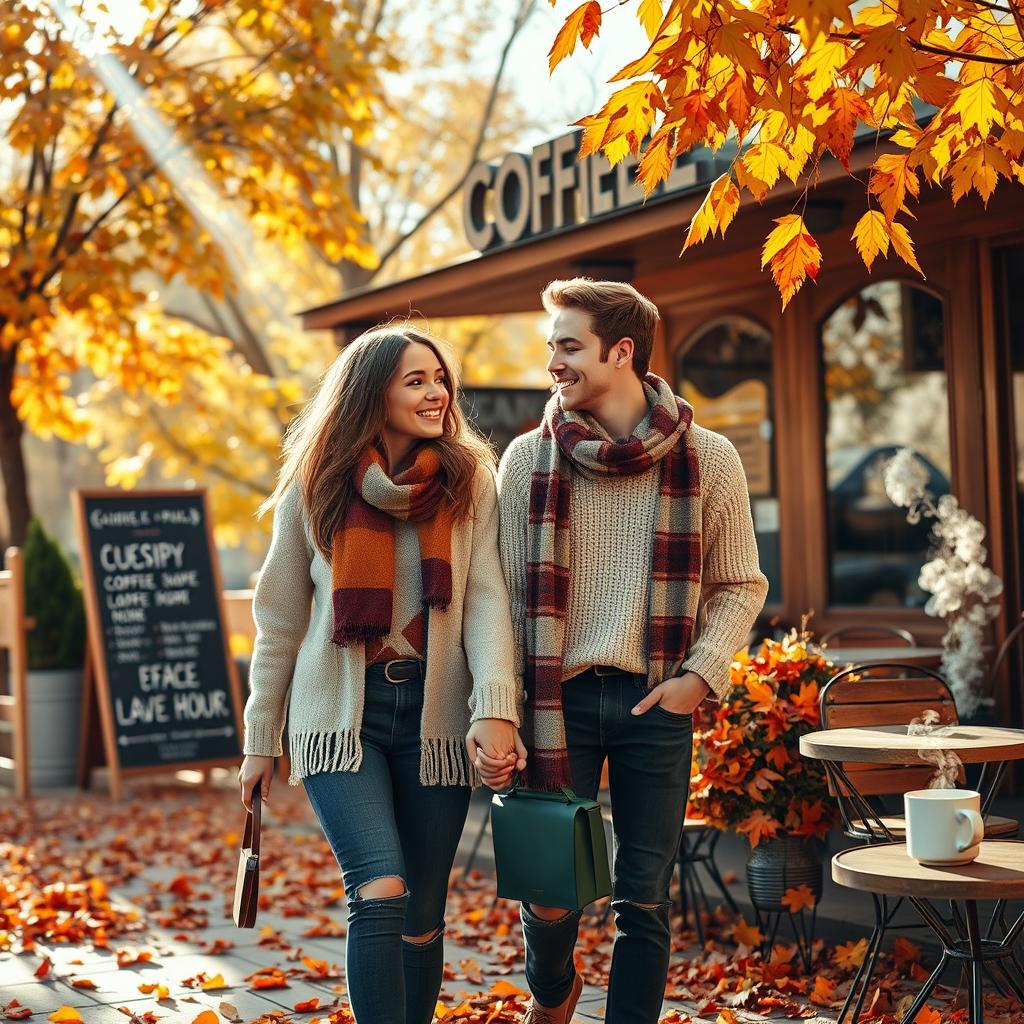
[437, 624]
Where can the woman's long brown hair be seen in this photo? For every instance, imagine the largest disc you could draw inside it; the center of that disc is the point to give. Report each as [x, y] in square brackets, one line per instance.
[348, 412]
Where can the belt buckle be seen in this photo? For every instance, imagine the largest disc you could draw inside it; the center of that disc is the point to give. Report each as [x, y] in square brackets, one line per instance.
[608, 670]
[387, 670]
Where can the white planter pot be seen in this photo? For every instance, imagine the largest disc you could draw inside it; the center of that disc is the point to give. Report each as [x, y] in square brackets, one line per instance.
[54, 721]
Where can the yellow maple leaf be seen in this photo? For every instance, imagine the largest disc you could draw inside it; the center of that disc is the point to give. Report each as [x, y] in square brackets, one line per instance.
[872, 236]
[892, 177]
[850, 954]
[65, 1015]
[631, 112]
[217, 981]
[582, 24]
[715, 214]
[903, 245]
[798, 260]
[764, 161]
[656, 162]
[979, 168]
[979, 105]
[789, 227]
[650, 15]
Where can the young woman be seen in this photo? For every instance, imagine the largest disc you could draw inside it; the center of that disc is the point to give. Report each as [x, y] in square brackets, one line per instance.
[386, 520]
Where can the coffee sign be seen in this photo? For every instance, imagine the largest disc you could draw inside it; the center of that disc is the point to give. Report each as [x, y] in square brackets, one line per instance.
[550, 190]
[166, 693]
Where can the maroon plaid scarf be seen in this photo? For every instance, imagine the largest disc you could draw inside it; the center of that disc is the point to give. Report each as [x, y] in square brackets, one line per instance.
[570, 443]
[363, 550]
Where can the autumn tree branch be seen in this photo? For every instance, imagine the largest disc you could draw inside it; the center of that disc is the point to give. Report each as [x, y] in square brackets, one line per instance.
[526, 8]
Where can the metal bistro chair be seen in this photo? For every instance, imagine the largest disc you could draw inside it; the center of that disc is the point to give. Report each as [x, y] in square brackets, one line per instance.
[869, 632]
[888, 693]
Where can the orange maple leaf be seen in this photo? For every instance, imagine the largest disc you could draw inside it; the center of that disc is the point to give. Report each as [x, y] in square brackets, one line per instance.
[744, 934]
[757, 826]
[821, 994]
[799, 897]
[582, 24]
[850, 954]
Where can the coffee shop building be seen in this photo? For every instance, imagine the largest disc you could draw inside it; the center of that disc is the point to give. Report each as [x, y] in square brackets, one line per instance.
[815, 397]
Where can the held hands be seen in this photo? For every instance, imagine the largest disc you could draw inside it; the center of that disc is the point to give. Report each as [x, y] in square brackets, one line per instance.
[680, 695]
[255, 769]
[497, 751]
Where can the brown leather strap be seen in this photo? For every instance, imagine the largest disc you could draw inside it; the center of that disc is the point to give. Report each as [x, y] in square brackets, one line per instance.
[252, 822]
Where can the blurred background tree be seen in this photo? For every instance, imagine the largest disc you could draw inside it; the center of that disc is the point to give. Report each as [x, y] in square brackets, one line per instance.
[171, 152]
[442, 98]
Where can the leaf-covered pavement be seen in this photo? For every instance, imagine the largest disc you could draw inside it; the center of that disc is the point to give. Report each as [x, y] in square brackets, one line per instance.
[121, 914]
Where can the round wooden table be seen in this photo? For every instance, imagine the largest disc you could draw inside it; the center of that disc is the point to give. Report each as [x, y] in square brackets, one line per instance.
[927, 656]
[997, 874]
[892, 744]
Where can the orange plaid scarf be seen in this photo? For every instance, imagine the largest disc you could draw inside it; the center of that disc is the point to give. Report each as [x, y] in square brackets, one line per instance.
[363, 549]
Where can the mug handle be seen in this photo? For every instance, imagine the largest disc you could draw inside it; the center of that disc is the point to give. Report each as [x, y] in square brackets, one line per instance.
[977, 824]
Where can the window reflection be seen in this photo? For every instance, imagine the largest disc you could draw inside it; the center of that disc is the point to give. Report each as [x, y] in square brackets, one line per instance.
[725, 373]
[883, 358]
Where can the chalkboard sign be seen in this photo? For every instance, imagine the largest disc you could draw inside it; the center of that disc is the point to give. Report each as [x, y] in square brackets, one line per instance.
[166, 690]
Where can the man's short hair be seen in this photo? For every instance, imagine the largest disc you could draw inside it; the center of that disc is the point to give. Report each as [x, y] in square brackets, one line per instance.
[616, 309]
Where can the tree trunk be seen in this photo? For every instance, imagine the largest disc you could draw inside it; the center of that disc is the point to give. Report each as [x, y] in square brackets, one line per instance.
[12, 458]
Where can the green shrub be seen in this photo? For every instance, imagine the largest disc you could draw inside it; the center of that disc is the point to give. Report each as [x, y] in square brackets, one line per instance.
[53, 598]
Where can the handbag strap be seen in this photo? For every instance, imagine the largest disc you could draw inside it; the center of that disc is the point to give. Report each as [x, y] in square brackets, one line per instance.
[252, 823]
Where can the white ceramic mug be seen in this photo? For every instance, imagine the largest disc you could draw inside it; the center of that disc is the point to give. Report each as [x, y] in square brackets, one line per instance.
[944, 826]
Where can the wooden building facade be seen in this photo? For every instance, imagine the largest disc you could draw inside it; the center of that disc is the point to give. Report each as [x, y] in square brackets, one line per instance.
[816, 397]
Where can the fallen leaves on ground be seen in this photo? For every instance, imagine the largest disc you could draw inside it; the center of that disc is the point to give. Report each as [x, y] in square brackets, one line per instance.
[63, 865]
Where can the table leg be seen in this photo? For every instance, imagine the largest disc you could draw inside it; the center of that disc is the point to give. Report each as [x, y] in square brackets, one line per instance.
[976, 985]
[922, 997]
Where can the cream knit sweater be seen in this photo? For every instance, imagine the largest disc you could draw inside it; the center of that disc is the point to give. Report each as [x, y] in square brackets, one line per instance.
[611, 528]
[469, 673]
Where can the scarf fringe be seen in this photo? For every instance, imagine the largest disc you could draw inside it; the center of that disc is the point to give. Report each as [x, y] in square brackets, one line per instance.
[315, 752]
[444, 761]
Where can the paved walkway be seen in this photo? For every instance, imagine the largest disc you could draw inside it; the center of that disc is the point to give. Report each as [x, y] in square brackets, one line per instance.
[168, 856]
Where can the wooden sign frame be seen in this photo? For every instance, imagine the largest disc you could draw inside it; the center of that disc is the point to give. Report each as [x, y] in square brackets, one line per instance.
[97, 711]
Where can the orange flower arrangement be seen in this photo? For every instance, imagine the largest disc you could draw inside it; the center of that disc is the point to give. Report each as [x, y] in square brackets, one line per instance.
[748, 774]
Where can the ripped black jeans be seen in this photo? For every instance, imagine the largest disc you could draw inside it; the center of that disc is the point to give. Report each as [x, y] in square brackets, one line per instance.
[648, 778]
[382, 823]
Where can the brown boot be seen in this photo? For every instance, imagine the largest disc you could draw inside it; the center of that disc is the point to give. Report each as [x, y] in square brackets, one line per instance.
[561, 1014]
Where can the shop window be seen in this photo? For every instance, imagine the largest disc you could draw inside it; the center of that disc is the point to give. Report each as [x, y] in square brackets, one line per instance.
[725, 373]
[885, 388]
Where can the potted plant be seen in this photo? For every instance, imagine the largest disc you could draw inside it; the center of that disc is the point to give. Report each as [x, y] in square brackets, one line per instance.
[56, 648]
[751, 778]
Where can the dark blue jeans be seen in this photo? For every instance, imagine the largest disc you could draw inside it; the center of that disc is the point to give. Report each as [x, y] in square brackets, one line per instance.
[382, 823]
[648, 778]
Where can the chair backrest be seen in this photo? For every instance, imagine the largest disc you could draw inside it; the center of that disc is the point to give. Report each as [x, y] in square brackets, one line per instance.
[889, 693]
[873, 631]
[238, 614]
[1014, 636]
[14, 705]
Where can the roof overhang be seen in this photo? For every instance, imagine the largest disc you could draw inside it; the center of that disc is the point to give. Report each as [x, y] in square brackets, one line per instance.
[625, 246]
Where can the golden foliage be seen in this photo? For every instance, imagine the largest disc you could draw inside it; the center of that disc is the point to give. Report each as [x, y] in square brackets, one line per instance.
[785, 85]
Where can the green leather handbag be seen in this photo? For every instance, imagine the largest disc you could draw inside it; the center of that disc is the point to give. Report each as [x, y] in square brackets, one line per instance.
[549, 848]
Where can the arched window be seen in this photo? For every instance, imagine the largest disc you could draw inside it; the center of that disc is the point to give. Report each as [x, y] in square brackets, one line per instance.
[884, 382]
[725, 372]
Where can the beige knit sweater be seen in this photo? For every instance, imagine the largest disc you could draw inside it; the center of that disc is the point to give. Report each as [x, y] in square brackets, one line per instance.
[469, 672]
[611, 527]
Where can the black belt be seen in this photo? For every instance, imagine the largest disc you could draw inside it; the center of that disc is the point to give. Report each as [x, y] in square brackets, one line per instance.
[610, 670]
[400, 670]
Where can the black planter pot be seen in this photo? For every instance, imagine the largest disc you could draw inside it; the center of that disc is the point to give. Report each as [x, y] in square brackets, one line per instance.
[775, 865]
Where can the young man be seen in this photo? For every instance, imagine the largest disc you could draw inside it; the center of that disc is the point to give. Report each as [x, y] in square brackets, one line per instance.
[619, 517]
